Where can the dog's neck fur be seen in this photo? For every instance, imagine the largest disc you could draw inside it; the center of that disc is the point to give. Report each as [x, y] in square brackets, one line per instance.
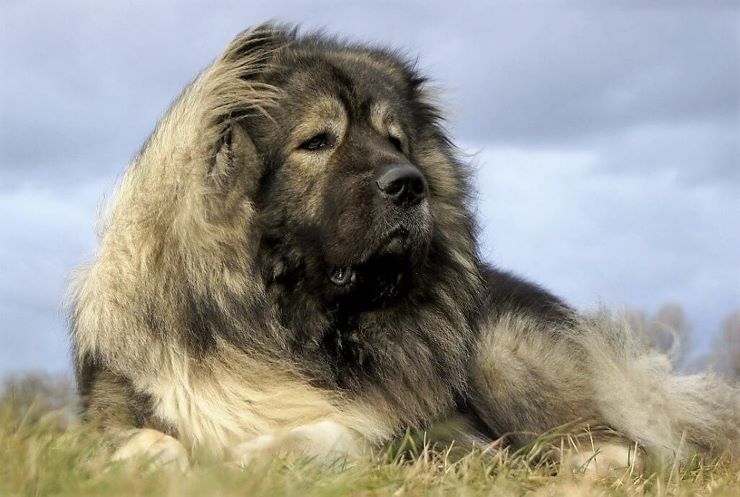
[355, 343]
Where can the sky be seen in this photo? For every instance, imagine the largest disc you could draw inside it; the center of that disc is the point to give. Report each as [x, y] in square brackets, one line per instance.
[605, 137]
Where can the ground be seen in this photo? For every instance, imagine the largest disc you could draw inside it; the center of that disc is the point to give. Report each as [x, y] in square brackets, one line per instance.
[45, 451]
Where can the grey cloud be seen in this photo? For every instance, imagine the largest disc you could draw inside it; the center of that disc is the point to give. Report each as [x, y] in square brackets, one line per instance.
[45, 233]
[88, 80]
[695, 151]
[636, 238]
[565, 79]
[39, 343]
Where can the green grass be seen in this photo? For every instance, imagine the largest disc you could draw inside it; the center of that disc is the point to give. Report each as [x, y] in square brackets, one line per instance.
[43, 451]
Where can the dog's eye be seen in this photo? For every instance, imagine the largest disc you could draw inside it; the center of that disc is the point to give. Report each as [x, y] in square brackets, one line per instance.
[317, 142]
[396, 142]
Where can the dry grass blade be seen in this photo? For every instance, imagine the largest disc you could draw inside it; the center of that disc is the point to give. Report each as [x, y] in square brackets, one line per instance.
[43, 453]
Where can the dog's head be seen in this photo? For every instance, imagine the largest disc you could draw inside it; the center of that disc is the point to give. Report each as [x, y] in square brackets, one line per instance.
[358, 194]
[344, 198]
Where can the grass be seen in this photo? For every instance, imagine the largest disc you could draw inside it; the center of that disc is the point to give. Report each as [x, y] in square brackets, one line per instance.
[44, 451]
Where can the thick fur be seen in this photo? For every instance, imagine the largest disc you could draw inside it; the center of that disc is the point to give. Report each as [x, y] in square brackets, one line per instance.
[209, 312]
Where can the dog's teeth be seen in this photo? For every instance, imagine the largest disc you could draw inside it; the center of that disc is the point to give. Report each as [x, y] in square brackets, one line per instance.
[342, 276]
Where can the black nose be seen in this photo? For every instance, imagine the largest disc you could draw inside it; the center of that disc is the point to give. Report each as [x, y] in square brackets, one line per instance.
[402, 183]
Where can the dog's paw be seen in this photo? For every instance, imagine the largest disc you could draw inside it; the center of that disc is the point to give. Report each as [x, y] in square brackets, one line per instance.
[259, 448]
[323, 442]
[155, 447]
[609, 459]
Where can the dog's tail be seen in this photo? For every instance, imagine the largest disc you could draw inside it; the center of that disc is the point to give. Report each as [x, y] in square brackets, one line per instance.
[637, 392]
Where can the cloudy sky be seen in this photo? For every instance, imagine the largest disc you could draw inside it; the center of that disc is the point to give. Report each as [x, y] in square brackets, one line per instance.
[606, 137]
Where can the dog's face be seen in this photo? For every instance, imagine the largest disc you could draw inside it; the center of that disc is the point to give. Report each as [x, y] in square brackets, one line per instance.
[344, 202]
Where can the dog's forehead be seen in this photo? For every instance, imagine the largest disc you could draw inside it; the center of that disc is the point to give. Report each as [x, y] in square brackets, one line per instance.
[350, 76]
[378, 68]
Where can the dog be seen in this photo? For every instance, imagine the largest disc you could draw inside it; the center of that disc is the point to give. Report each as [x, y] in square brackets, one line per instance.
[290, 265]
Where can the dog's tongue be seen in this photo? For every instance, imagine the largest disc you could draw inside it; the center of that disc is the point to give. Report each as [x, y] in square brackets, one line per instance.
[342, 276]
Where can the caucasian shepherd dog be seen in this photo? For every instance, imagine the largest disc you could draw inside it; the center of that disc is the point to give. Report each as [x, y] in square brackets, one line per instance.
[290, 265]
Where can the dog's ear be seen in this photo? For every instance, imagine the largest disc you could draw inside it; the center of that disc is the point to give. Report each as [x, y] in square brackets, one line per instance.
[236, 160]
[259, 42]
[235, 91]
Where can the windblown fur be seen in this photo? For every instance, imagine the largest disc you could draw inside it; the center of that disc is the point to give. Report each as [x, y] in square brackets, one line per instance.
[252, 289]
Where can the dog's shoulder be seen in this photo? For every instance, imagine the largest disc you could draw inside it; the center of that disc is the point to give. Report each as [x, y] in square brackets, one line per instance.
[506, 293]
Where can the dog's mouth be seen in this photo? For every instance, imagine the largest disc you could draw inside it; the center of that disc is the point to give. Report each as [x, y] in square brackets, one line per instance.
[342, 276]
[394, 244]
[379, 279]
[376, 283]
